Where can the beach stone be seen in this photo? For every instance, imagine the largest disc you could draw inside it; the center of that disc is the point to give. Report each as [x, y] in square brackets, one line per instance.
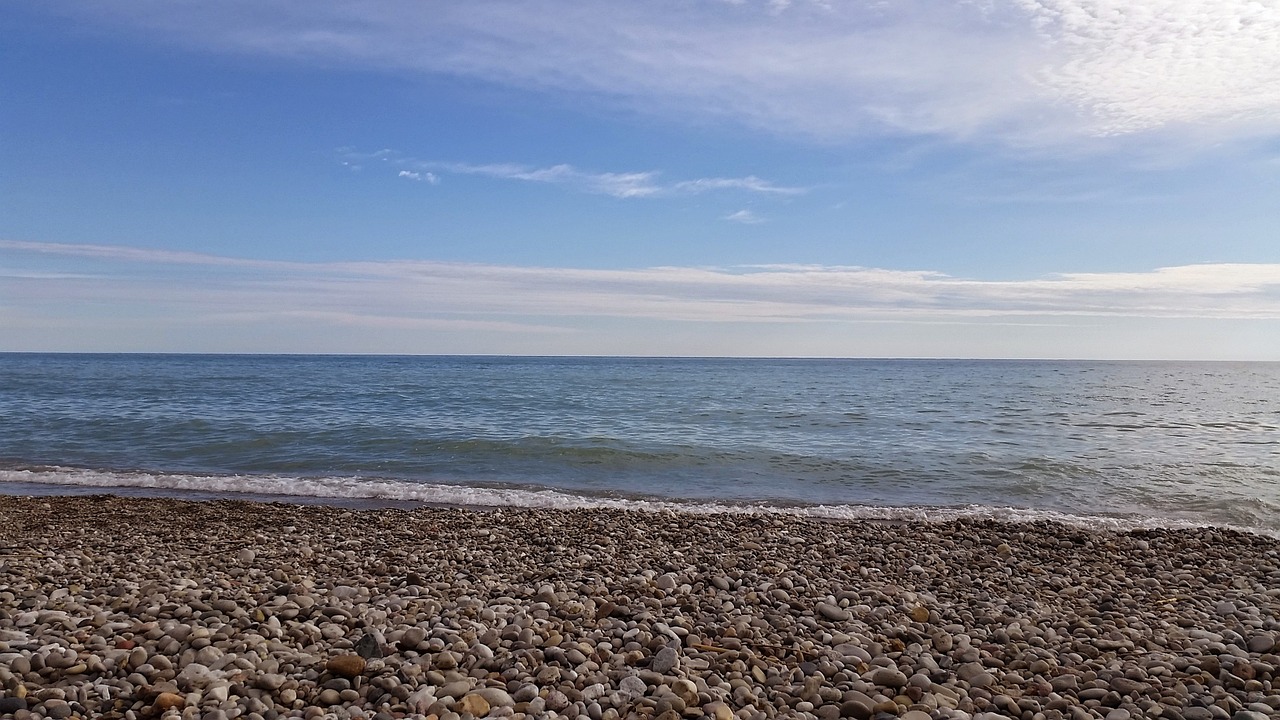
[1063, 683]
[1118, 714]
[855, 709]
[456, 689]
[497, 697]
[246, 556]
[666, 582]
[329, 696]
[942, 641]
[368, 646]
[686, 690]
[915, 715]
[58, 709]
[1125, 686]
[348, 666]
[834, 613]
[665, 660]
[975, 674]
[718, 711]
[11, 704]
[556, 701]
[633, 686]
[270, 681]
[1249, 715]
[1262, 643]
[920, 614]
[169, 701]
[218, 692]
[412, 638]
[889, 677]
[473, 703]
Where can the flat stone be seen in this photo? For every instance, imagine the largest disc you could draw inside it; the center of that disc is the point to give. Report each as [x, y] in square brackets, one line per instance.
[975, 674]
[1064, 682]
[58, 709]
[889, 677]
[633, 686]
[1125, 686]
[496, 697]
[665, 660]
[1262, 643]
[834, 613]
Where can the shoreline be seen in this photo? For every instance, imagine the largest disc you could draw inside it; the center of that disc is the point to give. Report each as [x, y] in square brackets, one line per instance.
[483, 498]
[131, 607]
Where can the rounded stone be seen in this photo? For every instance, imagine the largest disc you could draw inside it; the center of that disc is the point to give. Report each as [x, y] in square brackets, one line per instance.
[329, 696]
[347, 666]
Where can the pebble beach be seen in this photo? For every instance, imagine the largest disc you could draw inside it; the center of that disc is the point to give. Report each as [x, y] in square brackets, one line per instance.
[147, 608]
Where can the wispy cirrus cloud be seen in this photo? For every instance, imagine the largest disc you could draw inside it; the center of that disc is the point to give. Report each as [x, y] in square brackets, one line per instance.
[642, 184]
[1044, 73]
[745, 217]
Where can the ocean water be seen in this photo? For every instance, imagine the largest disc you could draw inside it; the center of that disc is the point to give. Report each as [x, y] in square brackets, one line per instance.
[1110, 444]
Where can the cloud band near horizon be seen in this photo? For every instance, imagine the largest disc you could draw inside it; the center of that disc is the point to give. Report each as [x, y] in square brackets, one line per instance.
[771, 293]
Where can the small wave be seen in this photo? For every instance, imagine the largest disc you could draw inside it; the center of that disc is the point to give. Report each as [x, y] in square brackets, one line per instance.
[373, 491]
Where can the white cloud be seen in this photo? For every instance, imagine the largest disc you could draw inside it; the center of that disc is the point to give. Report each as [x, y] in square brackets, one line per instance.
[615, 184]
[1132, 66]
[1022, 72]
[746, 217]
[782, 293]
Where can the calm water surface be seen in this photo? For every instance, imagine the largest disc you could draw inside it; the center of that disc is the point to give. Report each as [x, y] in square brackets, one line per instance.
[1126, 443]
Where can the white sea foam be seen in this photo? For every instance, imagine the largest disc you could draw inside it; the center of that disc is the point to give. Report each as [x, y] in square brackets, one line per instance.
[58, 480]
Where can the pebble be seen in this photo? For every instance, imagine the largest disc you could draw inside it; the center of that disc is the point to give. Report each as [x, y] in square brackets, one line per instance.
[329, 696]
[473, 703]
[605, 614]
[834, 613]
[665, 660]
[348, 666]
[889, 677]
[58, 709]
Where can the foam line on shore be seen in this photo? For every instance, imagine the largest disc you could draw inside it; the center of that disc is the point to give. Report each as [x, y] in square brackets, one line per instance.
[372, 492]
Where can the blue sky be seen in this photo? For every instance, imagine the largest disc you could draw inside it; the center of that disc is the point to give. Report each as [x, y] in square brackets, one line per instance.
[1029, 178]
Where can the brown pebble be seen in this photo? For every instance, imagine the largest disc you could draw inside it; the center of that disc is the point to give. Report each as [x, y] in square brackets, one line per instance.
[473, 703]
[169, 701]
[348, 666]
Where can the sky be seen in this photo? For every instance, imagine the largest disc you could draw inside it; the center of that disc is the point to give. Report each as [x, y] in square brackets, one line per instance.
[888, 178]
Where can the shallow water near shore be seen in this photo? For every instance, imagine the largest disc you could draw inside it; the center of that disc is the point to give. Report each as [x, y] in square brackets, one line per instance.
[1118, 444]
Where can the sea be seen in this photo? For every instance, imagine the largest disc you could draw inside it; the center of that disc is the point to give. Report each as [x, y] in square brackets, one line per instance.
[1101, 444]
